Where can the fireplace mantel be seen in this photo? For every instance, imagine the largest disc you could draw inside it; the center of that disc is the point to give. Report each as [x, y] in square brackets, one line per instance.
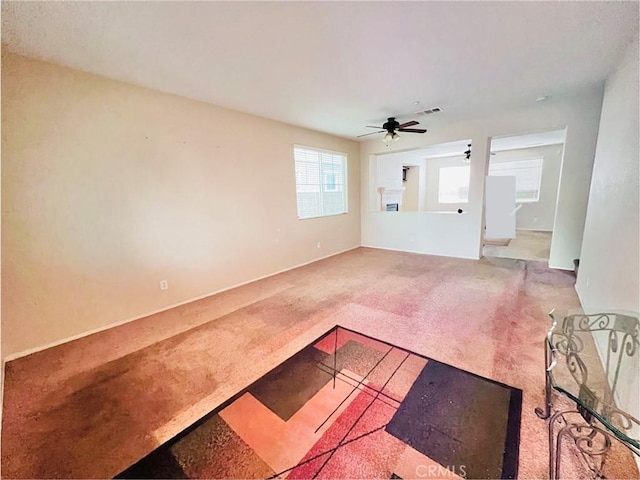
[390, 196]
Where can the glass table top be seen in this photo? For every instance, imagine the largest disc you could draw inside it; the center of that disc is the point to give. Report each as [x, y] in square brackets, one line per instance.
[595, 361]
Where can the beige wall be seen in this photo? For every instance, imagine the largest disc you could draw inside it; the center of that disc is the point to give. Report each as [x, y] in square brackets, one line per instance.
[609, 274]
[108, 188]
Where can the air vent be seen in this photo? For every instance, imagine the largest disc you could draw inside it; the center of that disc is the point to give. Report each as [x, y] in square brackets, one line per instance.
[429, 111]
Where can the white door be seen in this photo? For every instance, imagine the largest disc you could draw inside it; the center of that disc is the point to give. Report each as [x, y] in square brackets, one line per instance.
[500, 207]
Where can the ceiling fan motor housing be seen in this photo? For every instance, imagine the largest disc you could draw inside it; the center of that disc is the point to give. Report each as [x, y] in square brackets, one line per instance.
[391, 124]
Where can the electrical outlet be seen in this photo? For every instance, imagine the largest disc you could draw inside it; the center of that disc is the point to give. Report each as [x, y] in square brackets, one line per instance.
[318, 245]
[164, 285]
[411, 238]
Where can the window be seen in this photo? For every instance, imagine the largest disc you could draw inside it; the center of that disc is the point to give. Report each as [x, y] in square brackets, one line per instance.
[330, 182]
[453, 185]
[528, 175]
[320, 182]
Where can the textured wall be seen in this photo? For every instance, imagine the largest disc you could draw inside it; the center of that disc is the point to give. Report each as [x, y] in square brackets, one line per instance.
[609, 276]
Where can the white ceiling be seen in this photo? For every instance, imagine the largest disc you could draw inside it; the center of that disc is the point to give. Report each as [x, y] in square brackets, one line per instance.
[498, 144]
[528, 140]
[334, 66]
[450, 149]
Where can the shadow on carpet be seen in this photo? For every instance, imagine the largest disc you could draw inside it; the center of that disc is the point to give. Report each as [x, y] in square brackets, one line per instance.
[350, 406]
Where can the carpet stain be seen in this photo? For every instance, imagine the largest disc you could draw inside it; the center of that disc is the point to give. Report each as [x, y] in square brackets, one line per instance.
[66, 406]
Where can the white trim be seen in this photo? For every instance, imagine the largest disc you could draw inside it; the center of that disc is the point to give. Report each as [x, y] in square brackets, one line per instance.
[15, 356]
[422, 253]
[535, 230]
[322, 216]
[575, 287]
[561, 268]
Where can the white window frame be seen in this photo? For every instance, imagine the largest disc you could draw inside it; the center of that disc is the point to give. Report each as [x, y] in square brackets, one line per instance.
[513, 164]
[322, 181]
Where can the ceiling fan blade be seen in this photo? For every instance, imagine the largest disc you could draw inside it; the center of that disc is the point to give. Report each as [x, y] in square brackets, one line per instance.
[409, 124]
[412, 130]
[372, 133]
[371, 126]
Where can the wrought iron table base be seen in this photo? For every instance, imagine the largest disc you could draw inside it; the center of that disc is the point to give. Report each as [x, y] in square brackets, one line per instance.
[546, 413]
[592, 442]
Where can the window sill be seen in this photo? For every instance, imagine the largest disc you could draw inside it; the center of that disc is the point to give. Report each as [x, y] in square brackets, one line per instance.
[323, 216]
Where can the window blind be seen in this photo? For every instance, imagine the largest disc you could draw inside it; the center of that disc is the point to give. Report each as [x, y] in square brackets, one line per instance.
[528, 175]
[320, 182]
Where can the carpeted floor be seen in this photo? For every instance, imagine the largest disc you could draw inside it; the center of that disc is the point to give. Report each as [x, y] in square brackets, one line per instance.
[93, 407]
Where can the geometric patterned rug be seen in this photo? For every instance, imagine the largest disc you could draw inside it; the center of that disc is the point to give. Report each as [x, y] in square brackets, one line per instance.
[351, 406]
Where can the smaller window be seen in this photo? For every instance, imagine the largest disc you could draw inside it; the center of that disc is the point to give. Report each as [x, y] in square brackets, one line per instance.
[321, 182]
[453, 185]
[528, 175]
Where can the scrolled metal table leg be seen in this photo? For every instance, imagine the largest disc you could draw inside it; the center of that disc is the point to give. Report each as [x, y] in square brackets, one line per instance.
[554, 446]
[546, 413]
[592, 443]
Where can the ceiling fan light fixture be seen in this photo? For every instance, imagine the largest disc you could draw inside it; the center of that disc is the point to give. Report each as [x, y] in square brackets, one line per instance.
[391, 127]
[467, 155]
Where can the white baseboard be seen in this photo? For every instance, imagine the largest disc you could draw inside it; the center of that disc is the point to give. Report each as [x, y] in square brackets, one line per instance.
[561, 268]
[575, 287]
[422, 253]
[30, 351]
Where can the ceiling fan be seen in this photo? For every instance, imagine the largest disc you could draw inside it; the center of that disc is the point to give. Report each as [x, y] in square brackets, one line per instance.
[391, 126]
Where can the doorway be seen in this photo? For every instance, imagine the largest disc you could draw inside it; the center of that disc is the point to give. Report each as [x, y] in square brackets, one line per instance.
[535, 162]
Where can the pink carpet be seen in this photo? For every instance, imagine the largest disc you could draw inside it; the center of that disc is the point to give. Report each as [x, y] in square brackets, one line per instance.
[92, 407]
